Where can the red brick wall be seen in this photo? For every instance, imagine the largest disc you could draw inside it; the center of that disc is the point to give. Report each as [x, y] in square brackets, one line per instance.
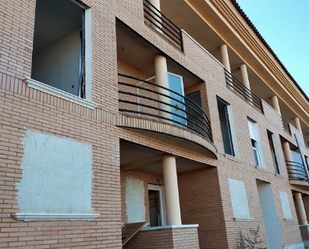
[178, 238]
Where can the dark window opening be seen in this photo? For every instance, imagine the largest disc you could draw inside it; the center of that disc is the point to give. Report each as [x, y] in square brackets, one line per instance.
[154, 208]
[273, 151]
[256, 153]
[192, 115]
[58, 57]
[225, 127]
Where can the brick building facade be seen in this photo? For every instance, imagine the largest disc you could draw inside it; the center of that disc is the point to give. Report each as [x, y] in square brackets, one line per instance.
[173, 113]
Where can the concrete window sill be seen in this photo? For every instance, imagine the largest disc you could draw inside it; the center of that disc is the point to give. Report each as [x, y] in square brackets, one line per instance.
[59, 93]
[243, 218]
[53, 217]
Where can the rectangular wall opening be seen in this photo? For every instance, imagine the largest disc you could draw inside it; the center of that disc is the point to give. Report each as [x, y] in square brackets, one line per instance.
[269, 214]
[226, 129]
[156, 206]
[273, 151]
[58, 57]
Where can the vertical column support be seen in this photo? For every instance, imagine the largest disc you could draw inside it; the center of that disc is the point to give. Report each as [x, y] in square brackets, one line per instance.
[225, 57]
[287, 151]
[171, 190]
[245, 80]
[156, 23]
[297, 124]
[275, 104]
[162, 80]
[301, 209]
[244, 75]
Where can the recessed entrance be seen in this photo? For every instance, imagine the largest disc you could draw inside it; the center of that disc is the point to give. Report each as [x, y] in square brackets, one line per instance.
[156, 206]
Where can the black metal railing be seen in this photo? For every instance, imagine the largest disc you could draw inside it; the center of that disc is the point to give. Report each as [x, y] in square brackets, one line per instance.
[159, 22]
[144, 98]
[286, 126]
[240, 89]
[306, 141]
[296, 171]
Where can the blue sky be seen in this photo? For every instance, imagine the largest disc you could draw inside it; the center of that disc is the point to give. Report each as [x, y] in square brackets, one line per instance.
[284, 24]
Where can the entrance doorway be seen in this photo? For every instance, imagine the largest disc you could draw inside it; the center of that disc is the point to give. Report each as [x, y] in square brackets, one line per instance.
[156, 205]
[269, 213]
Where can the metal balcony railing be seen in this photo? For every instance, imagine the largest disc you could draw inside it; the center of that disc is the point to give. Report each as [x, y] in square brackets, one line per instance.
[240, 89]
[146, 99]
[286, 126]
[296, 171]
[159, 22]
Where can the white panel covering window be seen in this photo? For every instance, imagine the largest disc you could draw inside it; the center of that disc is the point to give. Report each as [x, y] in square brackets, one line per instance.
[239, 200]
[286, 209]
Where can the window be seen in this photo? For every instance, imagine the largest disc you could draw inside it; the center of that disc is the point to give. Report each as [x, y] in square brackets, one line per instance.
[273, 151]
[228, 134]
[239, 200]
[62, 46]
[255, 143]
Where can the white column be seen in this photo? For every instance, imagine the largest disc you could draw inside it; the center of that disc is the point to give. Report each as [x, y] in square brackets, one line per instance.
[275, 104]
[297, 124]
[301, 209]
[171, 190]
[245, 80]
[287, 151]
[225, 57]
[244, 75]
[155, 19]
[155, 3]
[162, 80]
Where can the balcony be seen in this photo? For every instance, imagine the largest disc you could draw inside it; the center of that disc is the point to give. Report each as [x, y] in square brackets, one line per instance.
[160, 23]
[142, 98]
[163, 114]
[242, 91]
[296, 171]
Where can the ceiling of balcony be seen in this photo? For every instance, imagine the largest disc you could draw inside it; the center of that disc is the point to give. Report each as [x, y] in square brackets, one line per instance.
[137, 157]
[139, 53]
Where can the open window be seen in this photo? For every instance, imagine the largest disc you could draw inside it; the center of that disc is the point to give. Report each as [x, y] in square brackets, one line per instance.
[62, 46]
[227, 129]
[273, 151]
[256, 143]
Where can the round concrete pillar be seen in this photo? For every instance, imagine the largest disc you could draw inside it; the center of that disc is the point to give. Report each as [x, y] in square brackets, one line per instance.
[162, 80]
[275, 104]
[171, 190]
[244, 75]
[297, 124]
[225, 57]
[287, 151]
[155, 3]
[155, 18]
[301, 209]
